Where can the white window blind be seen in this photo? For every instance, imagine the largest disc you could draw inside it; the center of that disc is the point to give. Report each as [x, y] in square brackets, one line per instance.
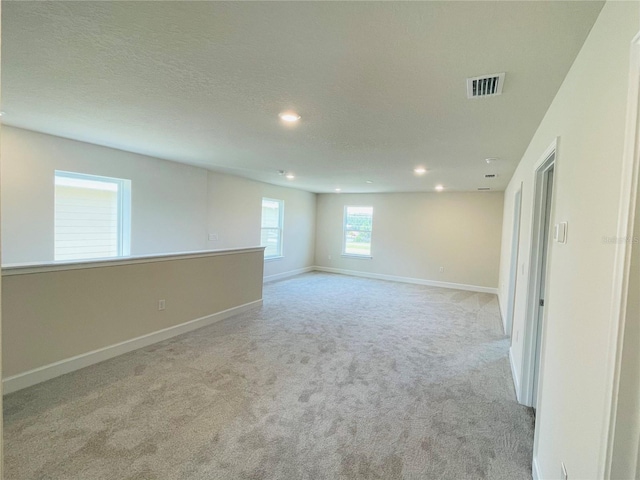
[90, 217]
[271, 233]
[358, 226]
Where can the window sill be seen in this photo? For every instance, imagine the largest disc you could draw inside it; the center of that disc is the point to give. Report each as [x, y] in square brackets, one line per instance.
[351, 255]
[271, 259]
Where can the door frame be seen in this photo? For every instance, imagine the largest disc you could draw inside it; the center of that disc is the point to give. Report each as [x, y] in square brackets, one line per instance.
[515, 260]
[622, 263]
[548, 160]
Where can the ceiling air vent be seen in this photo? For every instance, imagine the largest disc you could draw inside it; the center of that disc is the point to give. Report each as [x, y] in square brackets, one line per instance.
[485, 86]
[490, 175]
[484, 189]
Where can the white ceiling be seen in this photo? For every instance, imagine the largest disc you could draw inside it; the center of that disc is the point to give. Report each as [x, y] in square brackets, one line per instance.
[380, 85]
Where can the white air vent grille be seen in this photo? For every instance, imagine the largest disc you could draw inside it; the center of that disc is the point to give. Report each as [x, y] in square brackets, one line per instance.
[485, 86]
[490, 175]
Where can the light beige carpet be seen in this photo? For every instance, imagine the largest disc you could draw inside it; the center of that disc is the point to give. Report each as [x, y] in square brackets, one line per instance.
[334, 378]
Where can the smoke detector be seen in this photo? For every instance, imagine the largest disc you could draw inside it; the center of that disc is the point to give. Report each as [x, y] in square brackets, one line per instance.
[485, 86]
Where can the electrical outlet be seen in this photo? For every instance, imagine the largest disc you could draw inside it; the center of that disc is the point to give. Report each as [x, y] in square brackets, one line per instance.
[161, 304]
[441, 269]
[563, 472]
[329, 257]
[213, 237]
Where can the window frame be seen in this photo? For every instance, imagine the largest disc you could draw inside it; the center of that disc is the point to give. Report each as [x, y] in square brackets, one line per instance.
[123, 209]
[344, 234]
[280, 228]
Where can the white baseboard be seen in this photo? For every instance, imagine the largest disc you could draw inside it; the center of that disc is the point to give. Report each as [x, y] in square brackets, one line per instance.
[514, 374]
[418, 281]
[535, 471]
[47, 372]
[290, 273]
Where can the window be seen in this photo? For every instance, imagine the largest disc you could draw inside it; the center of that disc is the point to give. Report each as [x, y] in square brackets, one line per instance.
[92, 216]
[271, 234]
[358, 223]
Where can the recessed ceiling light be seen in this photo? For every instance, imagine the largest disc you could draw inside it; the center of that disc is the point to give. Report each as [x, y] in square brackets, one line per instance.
[420, 170]
[290, 117]
[439, 188]
[369, 182]
[338, 189]
[1, 114]
[490, 160]
[290, 176]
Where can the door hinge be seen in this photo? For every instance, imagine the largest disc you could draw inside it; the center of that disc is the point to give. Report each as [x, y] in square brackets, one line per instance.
[542, 302]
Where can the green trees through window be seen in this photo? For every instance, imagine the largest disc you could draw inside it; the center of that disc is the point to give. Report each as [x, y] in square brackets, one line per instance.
[358, 226]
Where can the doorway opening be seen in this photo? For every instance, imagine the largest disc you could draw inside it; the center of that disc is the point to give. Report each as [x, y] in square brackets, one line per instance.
[513, 272]
[543, 201]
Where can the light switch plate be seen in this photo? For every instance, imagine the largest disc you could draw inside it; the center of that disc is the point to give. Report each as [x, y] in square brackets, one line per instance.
[560, 232]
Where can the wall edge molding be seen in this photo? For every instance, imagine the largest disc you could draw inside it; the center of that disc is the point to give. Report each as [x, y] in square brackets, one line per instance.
[514, 375]
[287, 274]
[535, 470]
[47, 372]
[503, 317]
[417, 281]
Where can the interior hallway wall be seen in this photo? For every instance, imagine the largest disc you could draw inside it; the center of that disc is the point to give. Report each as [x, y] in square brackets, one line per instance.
[627, 429]
[69, 315]
[573, 398]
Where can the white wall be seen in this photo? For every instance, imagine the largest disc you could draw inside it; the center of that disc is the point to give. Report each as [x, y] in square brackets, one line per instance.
[625, 462]
[174, 206]
[235, 209]
[414, 234]
[588, 116]
[627, 430]
[169, 200]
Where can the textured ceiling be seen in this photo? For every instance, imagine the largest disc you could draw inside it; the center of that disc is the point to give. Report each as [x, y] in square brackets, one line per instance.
[380, 85]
